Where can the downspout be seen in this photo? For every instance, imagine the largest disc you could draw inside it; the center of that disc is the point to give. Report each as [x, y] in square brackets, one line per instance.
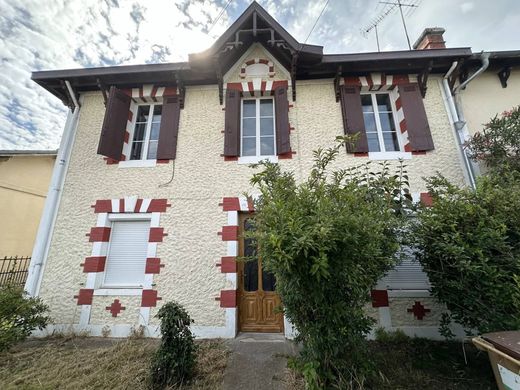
[50, 209]
[455, 107]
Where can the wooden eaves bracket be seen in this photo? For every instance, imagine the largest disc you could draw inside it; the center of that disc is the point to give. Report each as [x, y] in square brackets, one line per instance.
[103, 89]
[337, 80]
[503, 75]
[182, 89]
[422, 78]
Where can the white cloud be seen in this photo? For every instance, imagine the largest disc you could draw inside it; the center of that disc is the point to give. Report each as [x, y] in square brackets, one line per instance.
[59, 34]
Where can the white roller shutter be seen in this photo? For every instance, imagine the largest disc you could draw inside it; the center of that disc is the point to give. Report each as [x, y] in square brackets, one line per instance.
[127, 253]
[408, 275]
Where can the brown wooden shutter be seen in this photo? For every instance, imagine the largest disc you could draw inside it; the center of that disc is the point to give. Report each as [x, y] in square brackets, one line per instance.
[419, 133]
[167, 147]
[114, 124]
[232, 124]
[353, 121]
[283, 139]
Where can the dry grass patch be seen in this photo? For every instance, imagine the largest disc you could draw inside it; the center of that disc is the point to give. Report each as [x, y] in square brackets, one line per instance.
[90, 363]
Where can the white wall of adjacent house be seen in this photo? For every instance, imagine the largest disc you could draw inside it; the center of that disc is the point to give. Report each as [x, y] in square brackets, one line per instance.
[202, 179]
[485, 97]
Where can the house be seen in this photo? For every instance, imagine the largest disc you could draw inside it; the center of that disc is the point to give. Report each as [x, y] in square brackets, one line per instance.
[153, 167]
[24, 180]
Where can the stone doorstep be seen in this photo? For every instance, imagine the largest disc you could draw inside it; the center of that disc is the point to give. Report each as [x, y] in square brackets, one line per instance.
[261, 338]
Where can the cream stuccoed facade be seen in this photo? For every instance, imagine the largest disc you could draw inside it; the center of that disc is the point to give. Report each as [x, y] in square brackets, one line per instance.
[193, 198]
[201, 180]
[484, 98]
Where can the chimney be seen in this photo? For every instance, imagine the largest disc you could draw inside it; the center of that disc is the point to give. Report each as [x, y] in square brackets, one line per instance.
[431, 38]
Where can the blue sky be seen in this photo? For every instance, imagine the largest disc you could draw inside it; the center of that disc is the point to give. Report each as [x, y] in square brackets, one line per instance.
[58, 34]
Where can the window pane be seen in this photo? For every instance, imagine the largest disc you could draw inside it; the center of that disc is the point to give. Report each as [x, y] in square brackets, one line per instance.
[383, 102]
[140, 130]
[366, 102]
[154, 134]
[249, 127]
[391, 142]
[137, 147]
[370, 122]
[387, 121]
[157, 112]
[373, 142]
[266, 126]
[266, 107]
[152, 150]
[249, 146]
[268, 281]
[142, 113]
[249, 109]
[267, 146]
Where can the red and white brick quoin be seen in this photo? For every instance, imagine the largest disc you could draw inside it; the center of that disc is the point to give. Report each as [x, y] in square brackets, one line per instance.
[148, 93]
[94, 265]
[257, 87]
[381, 82]
[268, 63]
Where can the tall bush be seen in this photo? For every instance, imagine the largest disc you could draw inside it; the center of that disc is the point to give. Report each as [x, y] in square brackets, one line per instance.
[469, 245]
[19, 316]
[174, 361]
[498, 144]
[328, 241]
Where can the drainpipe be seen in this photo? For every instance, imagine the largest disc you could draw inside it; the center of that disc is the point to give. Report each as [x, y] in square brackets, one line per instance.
[455, 108]
[50, 209]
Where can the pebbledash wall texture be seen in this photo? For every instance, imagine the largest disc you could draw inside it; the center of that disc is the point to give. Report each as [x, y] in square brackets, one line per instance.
[193, 213]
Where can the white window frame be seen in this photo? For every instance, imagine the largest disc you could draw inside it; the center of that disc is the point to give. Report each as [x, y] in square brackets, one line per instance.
[383, 154]
[148, 131]
[257, 157]
[127, 289]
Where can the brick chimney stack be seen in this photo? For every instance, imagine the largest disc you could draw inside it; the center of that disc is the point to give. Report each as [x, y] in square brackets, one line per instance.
[430, 38]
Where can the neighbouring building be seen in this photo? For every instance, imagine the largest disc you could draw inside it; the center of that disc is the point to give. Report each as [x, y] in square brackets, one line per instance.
[153, 168]
[24, 181]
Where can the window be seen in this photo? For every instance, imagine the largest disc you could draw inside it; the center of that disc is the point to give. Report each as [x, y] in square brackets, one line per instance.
[127, 253]
[258, 127]
[146, 132]
[380, 126]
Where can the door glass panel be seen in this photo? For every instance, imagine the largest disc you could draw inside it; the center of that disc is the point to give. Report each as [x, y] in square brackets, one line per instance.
[268, 281]
[251, 266]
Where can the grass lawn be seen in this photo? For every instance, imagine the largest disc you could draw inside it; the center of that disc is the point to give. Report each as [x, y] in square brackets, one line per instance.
[94, 363]
[421, 364]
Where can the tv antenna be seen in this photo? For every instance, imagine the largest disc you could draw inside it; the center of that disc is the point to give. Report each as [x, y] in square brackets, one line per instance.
[392, 6]
[399, 4]
[374, 23]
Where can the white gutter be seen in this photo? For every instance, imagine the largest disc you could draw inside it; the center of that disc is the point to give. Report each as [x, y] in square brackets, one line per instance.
[48, 218]
[457, 116]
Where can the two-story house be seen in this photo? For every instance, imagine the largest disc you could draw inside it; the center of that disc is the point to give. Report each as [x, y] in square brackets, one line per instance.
[147, 199]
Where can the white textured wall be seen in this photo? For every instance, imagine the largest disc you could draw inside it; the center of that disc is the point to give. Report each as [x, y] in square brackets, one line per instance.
[202, 178]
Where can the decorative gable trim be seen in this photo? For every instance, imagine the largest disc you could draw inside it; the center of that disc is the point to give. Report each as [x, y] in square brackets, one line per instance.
[270, 67]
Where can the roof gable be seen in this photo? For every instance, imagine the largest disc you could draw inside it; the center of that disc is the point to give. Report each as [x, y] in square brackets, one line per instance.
[255, 25]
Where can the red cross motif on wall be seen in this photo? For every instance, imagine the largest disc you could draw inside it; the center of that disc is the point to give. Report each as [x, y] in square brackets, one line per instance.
[418, 310]
[115, 308]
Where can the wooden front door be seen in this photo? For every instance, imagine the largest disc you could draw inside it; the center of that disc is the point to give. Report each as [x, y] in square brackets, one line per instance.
[258, 303]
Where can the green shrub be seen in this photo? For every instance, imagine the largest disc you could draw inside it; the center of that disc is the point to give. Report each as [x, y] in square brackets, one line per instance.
[469, 245]
[498, 144]
[19, 316]
[328, 241]
[174, 361]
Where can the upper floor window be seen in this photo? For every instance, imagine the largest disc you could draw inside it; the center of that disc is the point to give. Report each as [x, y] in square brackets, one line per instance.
[146, 132]
[258, 127]
[379, 117]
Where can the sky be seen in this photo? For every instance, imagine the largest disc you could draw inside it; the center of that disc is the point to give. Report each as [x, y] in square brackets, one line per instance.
[63, 34]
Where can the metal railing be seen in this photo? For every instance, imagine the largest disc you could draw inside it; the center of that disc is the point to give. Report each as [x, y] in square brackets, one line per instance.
[14, 270]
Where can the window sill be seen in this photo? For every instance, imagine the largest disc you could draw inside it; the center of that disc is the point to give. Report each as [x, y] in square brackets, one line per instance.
[257, 159]
[119, 291]
[389, 155]
[137, 164]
